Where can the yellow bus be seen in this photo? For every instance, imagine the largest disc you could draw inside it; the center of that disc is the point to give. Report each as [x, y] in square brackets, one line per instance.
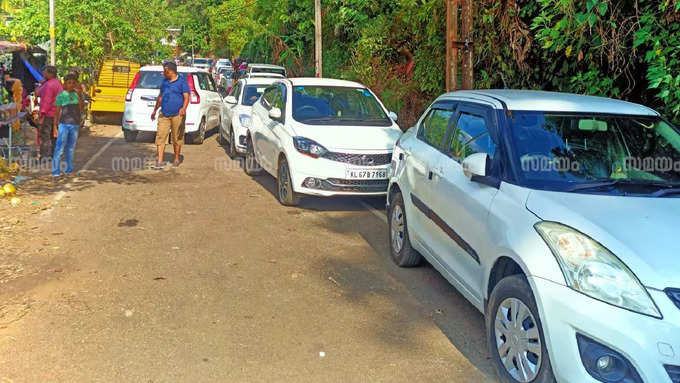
[113, 81]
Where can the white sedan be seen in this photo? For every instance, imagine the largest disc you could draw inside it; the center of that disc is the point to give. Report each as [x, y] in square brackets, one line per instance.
[236, 113]
[321, 137]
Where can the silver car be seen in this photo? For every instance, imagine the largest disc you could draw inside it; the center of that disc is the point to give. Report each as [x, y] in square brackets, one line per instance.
[556, 216]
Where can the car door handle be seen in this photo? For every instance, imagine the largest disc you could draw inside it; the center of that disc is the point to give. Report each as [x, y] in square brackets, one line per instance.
[435, 172]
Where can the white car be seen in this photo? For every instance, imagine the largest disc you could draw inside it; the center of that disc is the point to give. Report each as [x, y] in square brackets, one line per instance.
[262, 69]
[556, 216]
[237, 111]
[203, 111]
[201, 63]
[321, 137]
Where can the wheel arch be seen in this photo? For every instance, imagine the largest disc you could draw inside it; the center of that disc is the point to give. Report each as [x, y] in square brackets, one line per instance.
[503, 267]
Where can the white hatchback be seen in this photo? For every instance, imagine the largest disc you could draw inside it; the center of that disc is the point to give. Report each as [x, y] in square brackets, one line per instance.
[321, 137]
[203, 112]
[555, 215]
[236, 113]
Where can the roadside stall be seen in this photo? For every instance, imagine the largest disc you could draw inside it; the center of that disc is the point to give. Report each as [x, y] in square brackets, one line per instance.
[19, 74]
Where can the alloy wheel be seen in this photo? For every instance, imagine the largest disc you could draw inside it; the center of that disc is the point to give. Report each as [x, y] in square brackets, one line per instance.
[397, 228]
[518, 340]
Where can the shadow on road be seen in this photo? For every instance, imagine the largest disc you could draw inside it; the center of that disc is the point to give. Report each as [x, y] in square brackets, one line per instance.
[462, 324]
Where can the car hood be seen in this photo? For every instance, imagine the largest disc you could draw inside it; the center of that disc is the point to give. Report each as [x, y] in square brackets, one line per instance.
[354, 138]
[642, 232]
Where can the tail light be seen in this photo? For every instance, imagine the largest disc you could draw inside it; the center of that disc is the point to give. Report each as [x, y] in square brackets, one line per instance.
[194, 97]
[128, 96]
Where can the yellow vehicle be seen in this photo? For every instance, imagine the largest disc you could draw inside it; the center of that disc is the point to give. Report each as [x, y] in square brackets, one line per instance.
[113, 81]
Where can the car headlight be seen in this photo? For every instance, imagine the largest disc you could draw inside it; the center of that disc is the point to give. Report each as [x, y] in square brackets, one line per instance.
[591, 269]
[309, 147]
[244, 119]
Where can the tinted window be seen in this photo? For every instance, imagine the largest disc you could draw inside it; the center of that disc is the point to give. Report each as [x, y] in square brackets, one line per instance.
[205, 82]
[321, 105]
[434, 127]
[150, 80]
[471, 136]
[282, 72]
[236, 90]
[251, 93]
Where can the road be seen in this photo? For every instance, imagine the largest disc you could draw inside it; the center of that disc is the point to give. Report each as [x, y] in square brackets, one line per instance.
[198, 274]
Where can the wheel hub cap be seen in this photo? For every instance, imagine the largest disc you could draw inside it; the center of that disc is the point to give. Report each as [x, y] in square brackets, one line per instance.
[518, 341]
[397, 228]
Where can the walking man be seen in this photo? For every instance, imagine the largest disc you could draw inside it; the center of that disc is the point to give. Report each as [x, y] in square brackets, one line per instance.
[173, 101]
[48, 92]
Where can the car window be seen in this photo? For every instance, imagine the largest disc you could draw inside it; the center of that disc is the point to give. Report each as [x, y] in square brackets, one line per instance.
[251, 93]
[434, 126]
[268, 97]
[150, 80]
[471, 136]
[205, 82]
[236, 90]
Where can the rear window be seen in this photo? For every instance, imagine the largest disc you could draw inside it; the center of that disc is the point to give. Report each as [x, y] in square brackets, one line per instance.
[152, 80]
[282, 72]
[200, 61]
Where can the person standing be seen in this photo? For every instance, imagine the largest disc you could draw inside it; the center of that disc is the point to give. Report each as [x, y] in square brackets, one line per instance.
[48, 92]
[172, 101]
[68, 106]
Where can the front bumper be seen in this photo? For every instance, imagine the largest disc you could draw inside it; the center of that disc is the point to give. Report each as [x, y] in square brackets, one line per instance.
[332, 178]
[648, 343]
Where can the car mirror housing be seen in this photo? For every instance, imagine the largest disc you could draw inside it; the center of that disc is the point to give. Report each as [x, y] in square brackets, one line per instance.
[230, 100]
[393, 116]
[475, 165]
[275, 113]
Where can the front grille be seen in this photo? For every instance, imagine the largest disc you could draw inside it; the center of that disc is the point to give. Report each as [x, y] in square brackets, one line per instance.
[674, 294]
[360, 159]
[673, 373]
[356, 186]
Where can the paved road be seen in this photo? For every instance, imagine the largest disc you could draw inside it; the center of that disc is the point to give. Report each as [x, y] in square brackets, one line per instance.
[197, 274]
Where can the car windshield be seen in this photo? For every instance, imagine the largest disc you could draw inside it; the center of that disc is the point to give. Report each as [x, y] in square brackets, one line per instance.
[581, 152]
[278, 71]
[201, 61]
[325, 105]
[252, 93]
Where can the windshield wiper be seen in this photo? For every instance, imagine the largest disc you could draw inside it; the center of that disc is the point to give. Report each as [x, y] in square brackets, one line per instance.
[320, 119]
[666, 192]
[597, 184]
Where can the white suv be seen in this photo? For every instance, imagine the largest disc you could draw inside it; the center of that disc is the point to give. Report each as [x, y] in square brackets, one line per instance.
[321, 137]
[555, 215]
[236, 113]
[203, 112]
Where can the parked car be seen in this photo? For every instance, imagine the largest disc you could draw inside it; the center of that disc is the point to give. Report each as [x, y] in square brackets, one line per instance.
[201, 63]
[113, 80]
[236, 115]
[252, 69]
[223, 77]
[321, 137]
[222, 63]
[550, 213]
[264, 75]
[203, 112]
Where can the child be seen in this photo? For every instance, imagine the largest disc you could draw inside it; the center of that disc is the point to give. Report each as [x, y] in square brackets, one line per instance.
[68, 106]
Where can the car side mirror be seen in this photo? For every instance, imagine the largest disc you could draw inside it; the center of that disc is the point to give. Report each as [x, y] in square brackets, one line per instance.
[275, 114]
[393, 116]
[231, 100]
[475, 165]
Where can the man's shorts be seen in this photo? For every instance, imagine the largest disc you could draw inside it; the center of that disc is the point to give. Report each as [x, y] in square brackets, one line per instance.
[174, 124]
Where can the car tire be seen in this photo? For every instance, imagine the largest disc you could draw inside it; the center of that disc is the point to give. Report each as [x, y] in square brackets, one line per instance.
[231, 148]
[401, 251]
[522, 346]
[250, 164]
[130, 136]
[220, 138]
[287, 196]
[199, 136]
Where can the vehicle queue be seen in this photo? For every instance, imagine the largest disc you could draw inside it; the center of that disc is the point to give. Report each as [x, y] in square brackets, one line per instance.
[527, 202]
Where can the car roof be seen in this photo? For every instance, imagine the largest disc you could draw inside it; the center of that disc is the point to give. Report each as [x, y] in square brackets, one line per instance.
[536, 100]
[260, 81]
[265, 66]
[313, 81]
[180, 69]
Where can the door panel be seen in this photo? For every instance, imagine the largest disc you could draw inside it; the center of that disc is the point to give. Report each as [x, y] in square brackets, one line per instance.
[462, 206]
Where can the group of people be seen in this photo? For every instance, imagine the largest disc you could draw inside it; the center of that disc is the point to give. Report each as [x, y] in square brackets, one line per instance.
[59, 118]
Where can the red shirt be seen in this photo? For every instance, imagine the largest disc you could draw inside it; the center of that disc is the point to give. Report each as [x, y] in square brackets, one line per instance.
[48, 93]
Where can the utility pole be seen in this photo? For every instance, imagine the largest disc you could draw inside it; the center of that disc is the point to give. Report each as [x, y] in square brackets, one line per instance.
[53, 36]
[459, 47]
[318, 49]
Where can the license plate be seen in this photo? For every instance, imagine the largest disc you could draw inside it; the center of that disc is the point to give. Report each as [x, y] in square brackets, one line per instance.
[365, 174]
